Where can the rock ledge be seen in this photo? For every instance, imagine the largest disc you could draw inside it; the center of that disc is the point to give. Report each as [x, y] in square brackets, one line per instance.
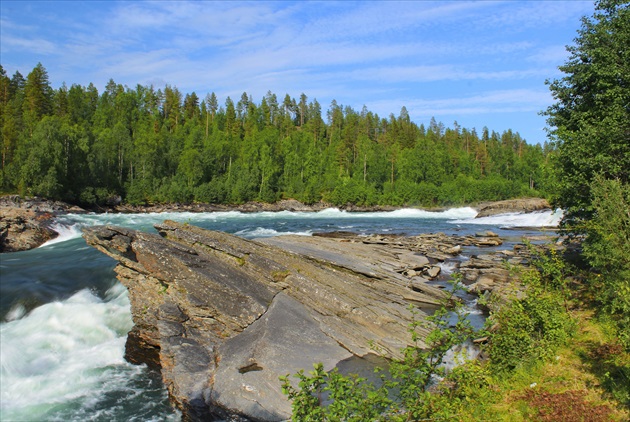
[513, 205]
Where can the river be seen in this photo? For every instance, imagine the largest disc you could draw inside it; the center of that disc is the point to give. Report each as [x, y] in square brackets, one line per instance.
[64, 316]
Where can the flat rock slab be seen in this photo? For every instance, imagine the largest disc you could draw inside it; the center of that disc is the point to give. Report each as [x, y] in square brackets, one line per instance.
[247, 376]
[380, 262]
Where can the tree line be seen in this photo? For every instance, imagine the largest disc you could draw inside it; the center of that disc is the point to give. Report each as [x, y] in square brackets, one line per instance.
[162, 146]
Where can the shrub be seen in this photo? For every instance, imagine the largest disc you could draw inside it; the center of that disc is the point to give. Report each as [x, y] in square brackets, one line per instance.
[531, 329]
[607, 248]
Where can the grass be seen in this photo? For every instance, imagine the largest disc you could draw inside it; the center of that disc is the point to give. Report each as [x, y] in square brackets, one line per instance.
[586, 381]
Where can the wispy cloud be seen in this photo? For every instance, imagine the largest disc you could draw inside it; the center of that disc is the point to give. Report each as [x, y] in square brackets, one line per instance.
[520, 16]
[397, 74]
[30, 45]
[492, 102]
[554, 54]
[472, 58]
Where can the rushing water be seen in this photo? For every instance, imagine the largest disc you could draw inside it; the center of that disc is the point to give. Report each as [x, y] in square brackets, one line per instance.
[64, 316]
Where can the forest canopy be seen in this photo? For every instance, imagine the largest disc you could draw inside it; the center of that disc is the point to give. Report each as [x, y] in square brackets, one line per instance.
[162, 146]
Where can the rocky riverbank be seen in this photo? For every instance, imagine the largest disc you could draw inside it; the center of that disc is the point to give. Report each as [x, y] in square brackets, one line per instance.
[224, 317]
[249, 207]
[25, 223]
[485, 209]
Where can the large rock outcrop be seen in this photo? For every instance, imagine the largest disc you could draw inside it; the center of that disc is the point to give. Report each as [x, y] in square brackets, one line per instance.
[224, 317]
[21, 230]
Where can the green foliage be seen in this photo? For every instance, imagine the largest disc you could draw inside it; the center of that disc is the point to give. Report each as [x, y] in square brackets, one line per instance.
[607, 245]
[323, 396]
[590, 120]
[525, 333]
[607, 248]
[591, 125]
[611, 365]
[531, 329]
[166, 146]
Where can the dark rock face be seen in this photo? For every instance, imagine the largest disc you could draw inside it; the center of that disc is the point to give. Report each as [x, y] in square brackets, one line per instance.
[224, 317]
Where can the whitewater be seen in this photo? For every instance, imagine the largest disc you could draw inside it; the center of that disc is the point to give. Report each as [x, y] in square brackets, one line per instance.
[65, 316]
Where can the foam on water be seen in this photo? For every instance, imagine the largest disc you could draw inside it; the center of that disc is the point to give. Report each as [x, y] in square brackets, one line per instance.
[465, 212]
[63, 358]
[447, 267]
[458, 355]
[66, 232]
[17, 312]
[533, 219]
[263, 232]
[69, 226]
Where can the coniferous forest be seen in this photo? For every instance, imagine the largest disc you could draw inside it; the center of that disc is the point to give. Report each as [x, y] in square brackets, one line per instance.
[147, 146]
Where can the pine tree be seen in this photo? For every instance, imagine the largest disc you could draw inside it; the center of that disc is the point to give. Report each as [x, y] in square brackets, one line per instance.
[38, 96]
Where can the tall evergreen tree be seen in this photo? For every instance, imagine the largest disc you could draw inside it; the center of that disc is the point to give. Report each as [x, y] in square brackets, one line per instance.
[38, 95]
[590, 120]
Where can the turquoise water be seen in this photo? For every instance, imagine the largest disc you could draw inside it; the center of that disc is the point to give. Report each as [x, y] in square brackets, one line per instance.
[64, 316]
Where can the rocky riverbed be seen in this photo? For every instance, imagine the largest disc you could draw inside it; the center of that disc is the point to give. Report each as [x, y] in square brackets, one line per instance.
[224, 317]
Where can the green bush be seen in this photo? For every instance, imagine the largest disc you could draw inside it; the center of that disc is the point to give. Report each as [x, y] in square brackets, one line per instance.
[531, 329]
[607, 248]
[525, 332]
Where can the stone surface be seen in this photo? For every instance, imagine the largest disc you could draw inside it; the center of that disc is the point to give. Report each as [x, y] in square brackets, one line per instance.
[247, 376]
[23, 230]
[513, 205]
[433, 271]
[25, 222]
[224, 317]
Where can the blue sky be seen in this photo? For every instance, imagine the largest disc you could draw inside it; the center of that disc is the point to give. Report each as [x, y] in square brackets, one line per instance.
[478, 63]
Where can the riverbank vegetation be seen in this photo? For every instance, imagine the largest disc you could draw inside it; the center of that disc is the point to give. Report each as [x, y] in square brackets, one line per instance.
[559, 351]
[144, 145]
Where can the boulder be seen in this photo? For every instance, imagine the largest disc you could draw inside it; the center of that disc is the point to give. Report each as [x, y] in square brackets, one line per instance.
[21, 230]
[433, 271]
[512, 206]
[25, 222]
[489, 241]
[455, 250]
